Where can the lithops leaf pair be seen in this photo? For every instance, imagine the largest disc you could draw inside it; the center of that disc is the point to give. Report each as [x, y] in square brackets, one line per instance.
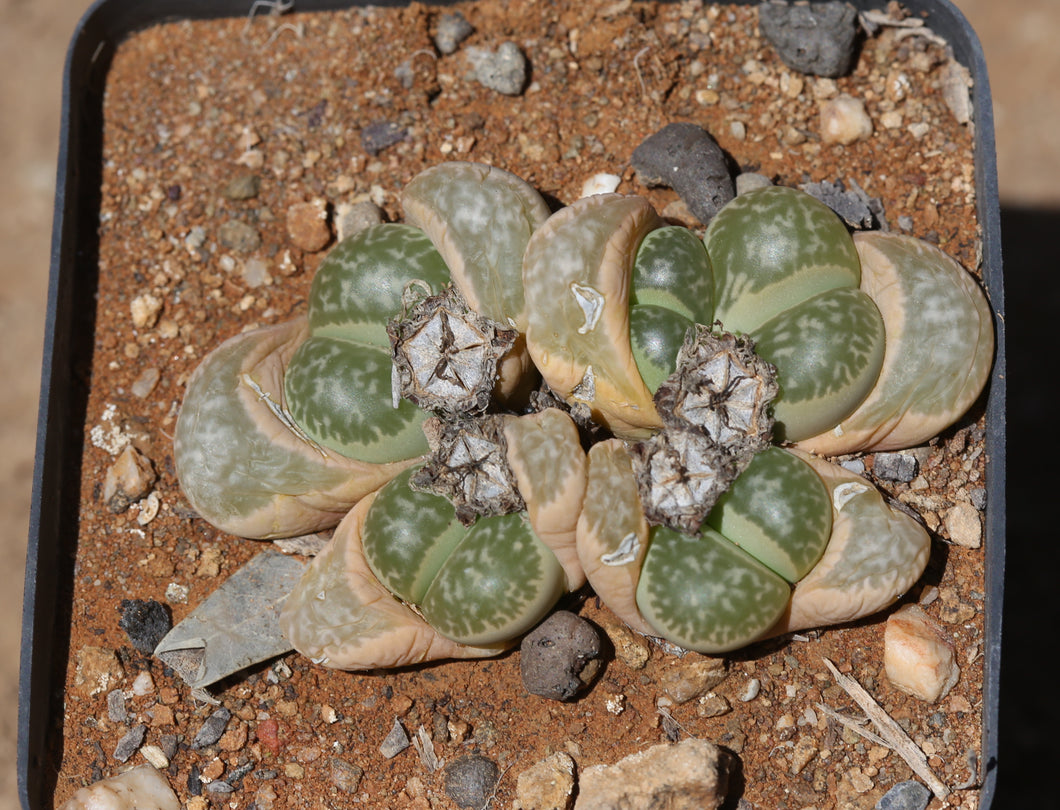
[777, 266]
[405, 580]
[794, 543]
[283, 429]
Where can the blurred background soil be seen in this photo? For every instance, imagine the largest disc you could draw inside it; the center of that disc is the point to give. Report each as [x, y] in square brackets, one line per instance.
[1020, 42]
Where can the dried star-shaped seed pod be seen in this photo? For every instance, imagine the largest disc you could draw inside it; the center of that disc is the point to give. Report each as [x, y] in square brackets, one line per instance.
[445, 355]
[722, 387]
[681, 473]
[469, 467]
[716, 413]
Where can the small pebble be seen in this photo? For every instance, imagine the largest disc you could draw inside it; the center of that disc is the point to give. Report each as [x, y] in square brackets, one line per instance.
[239, 236]
[631, 649]
[156, 756]
[470, 780]
[693, 677]
[244, 186]
[127, 480]
[854, 206]
[750, 692]
[907, 795]
[143, 684]
[379, 135]
[130, 743]
[918, 659]
[749, 181]
[345, 775]
[144, 384]
[691, 773]
[602, 183]
[548, 785]
[854, 465]
[212, 729]
[963, 525]
[453, 28]
[307, 225]
[504, 70]
[145, 310]
[817, 39]
[683, 156]
[554, 659]
[98, 670]
[356, 217]
[395, 742]
[116, 711]
[145, 622]
[255, 273]
[895, 467]
[843, 120]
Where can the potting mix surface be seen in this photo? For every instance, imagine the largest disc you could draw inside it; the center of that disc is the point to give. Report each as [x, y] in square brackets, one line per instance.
[216, 131]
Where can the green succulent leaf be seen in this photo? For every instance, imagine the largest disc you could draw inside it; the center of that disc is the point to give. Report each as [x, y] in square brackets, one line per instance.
[672, 270]
[407, 536]
[828, 351]
[497, 583]
[772, 248]
[340, 394]
[358, 287]
[707, 594]
[656, 336]
[779, 511]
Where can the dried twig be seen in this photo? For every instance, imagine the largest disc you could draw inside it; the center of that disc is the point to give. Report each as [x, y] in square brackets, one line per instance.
[893, 733]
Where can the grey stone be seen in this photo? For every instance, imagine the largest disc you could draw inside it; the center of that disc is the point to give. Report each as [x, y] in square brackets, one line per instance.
[116, 711]
[689, 775]
[378, 135]
[908, 795]
[130, 743]
[146, 622]
[977, 497]
[395, 742]
[853, 205]
[345, 775]
[239, 236]
[895, 467]
[749, 181]
[244, 186]
[818, 38]
[470, 780]
[686, 158]
[854, 465]
[212, 729]
[504, 70]
[453, 28]
[553, 656]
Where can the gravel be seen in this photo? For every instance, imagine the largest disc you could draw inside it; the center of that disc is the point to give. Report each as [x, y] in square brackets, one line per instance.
[685, 157]
[817, 39]
[470, 780]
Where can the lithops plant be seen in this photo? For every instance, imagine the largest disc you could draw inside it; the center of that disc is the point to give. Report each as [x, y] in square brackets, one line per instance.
[794, 543]
[284, 428]
[405, 580]
[696, 356]
[697, 533]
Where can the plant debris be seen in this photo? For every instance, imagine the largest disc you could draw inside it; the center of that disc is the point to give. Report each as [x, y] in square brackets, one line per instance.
[716, 416]
[236, 626]
[445, 355]
[468, 465]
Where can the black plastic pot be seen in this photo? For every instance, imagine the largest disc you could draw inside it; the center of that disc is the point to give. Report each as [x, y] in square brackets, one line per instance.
[69, 338]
